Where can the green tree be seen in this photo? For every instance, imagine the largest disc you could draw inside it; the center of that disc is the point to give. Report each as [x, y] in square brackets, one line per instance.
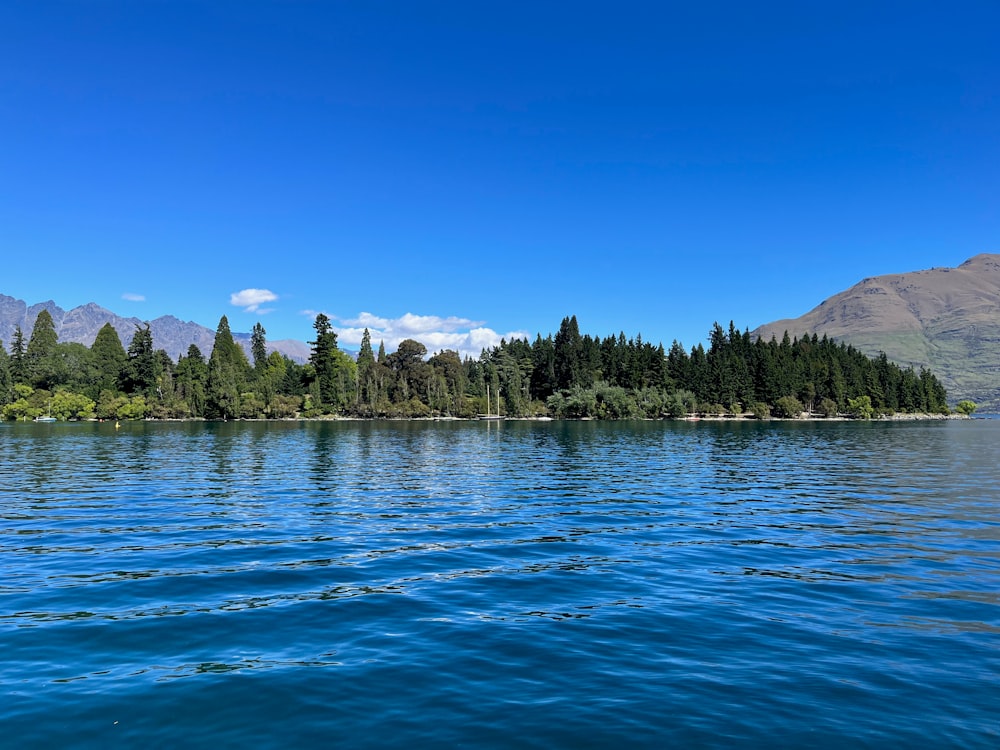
[325, 363]
[109, 358]
[258, 347]
[40, 354]
[228, 370]
[66, 405]
[18, 364]
[965, 407]
[367, 394]
[788, 407]
[191, 379]
[861, 407]
[569, 355]
[142, 368]
[412, 374]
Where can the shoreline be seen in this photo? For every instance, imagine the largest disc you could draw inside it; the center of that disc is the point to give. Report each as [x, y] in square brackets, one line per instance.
[689, 418]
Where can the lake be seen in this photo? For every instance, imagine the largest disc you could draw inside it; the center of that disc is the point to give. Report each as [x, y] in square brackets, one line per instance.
[518, 584]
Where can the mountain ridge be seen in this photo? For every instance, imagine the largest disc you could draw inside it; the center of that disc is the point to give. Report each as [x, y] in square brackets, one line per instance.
[81, 324]
[944, 319]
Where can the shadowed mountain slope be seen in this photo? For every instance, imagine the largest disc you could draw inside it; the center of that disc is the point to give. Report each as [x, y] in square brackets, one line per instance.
[944, 319]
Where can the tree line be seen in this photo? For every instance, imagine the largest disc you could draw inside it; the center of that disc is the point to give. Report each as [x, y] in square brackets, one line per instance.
[567, 375]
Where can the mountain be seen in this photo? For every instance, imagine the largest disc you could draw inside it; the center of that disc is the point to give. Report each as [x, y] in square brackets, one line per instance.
[81, 325]
[944, 319]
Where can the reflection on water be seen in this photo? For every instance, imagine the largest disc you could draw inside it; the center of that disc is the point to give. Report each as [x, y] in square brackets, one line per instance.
[502, 583]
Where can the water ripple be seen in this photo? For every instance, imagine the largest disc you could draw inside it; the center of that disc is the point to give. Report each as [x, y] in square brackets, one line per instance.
[558, 584]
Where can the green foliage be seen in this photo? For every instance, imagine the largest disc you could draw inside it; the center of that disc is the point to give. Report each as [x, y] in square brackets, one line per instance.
[335, 372]
[827, 407]
[258, 347]
[860, 407]
[965, 407]
[569, 375]
[788, 407]
[108, 357]
[18, 363]
[66, 406]
[40, 357]
[228, 373]
[142, 368]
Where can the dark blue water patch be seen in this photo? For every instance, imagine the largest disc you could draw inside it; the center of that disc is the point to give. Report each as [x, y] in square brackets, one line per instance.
[500, 585]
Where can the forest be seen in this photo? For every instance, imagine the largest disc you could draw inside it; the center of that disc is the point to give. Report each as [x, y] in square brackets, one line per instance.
[566, 375]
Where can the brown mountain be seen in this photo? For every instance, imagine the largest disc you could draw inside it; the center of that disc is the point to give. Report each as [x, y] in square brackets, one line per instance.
[81, 325]
[944, 319]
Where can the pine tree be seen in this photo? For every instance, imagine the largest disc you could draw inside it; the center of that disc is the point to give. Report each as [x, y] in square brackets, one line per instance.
[142, 367]
[109, 359]
[258, 347]
[40, 355]
[228, 369]
[191, 378]
[367, 391]
[18, 363]
[325, 362]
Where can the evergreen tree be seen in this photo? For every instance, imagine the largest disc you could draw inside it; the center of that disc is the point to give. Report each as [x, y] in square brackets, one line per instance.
[568, 351]
[191, 380]
[142, 366]
[543, 368]
[325, 361]
[39, 357]
[18, 362]
[367, 385]
[258, 347]
[109, 360]
[228, 371]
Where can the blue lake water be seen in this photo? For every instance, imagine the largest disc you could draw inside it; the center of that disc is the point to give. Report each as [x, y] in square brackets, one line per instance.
[500, 585]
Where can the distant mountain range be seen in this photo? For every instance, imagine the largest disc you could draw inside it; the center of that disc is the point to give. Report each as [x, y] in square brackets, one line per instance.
[81, 325]
[944, 319]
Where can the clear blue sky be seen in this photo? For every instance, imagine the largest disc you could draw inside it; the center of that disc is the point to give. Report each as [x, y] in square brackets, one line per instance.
[650, 167]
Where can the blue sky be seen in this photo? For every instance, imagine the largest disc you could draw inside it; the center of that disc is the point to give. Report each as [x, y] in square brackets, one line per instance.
[459, 171]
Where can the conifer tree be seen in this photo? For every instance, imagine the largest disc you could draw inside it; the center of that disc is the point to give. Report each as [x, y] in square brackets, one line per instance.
[258, 347]
[191, 377]
[109, 359]
[326, 363]
[18, 363]
[40, 355]
[367, 391]
[142, 366]
[227, 375]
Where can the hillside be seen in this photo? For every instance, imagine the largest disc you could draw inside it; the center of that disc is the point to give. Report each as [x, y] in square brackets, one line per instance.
[81, 324]
[945, 319]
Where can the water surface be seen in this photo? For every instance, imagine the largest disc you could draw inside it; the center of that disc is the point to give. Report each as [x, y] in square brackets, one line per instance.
[500, 585]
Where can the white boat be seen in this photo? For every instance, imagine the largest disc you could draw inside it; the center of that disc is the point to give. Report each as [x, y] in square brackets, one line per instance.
[47, 417]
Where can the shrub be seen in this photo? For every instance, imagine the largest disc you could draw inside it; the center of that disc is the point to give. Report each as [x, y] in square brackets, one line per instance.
[965, 407]
[788, 407]
[860, 407]
[828, 407]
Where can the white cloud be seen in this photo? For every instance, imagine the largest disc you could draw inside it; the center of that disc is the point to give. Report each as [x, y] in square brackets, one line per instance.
[467, 337]
[133, 297]
[252, 299]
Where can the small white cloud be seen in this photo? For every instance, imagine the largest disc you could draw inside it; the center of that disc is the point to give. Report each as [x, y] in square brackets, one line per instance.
[251, 299]
[463, 335]
[133, 297]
